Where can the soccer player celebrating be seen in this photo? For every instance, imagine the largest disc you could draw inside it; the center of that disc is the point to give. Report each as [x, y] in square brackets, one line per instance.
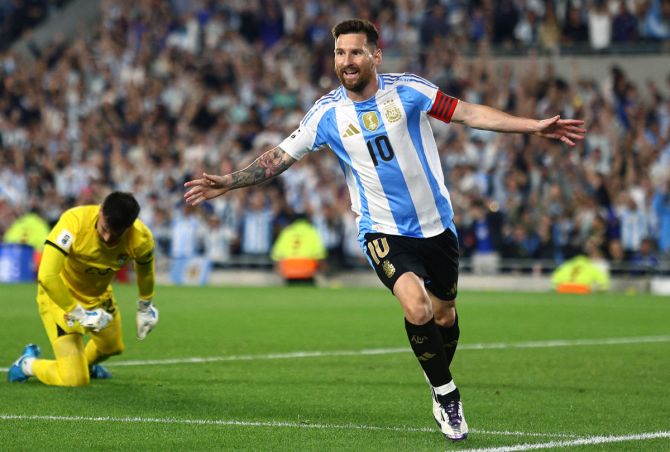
[83, 252]
[377, 125]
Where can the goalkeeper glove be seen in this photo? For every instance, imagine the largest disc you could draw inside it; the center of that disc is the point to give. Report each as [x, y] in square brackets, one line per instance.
[94, 319]
[147, 318]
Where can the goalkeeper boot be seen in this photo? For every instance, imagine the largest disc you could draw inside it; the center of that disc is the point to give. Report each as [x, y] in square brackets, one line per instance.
[16, 373]
[98, 372]
[449, 417]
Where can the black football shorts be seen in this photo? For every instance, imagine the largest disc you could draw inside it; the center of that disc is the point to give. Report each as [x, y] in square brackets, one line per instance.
[435, 259]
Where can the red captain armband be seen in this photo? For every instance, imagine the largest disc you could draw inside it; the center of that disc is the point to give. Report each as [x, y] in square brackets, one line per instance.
[443, 107]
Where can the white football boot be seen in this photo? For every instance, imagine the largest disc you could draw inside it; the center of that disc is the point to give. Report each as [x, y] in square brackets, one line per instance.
[449, 417]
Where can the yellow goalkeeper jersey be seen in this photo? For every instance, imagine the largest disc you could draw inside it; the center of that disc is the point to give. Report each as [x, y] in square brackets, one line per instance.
[90, 264]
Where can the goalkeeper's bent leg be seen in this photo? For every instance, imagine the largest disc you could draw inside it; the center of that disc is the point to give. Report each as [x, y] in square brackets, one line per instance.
[105, 343]
[69, 368]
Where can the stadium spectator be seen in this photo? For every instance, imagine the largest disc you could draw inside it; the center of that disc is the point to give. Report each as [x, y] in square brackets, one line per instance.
[186, 262]
[624, 25]
[486, 237]
[396, 186]
[581, 275]
[30, 229]
[299, 251]
[19, 17]
[549, 31]
[634, 224]
[506, 16]
[656, 22]
[83, 252]
[661, 205]
[646, 261]
[600, 25]
[328, 223]
[574, 30]
[257, 225]
[616, 258]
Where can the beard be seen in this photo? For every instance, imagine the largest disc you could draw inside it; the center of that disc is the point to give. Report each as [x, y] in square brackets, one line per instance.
[364, 76]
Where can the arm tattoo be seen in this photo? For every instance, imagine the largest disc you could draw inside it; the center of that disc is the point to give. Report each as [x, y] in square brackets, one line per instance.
[270, 164]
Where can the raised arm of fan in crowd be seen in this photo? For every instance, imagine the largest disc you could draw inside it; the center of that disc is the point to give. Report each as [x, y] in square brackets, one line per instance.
[447, 108]
[268, 165]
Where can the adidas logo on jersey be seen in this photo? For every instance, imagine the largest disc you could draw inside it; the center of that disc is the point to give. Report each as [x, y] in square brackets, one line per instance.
[351, 131]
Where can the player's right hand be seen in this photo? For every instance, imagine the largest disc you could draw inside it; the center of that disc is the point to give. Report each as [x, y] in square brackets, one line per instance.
[95, 319]
[208, 187]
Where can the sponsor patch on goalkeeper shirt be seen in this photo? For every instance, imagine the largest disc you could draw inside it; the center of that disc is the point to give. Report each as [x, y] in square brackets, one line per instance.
[65, 239]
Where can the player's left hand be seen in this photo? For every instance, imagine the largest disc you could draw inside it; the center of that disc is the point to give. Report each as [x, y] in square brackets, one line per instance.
[566, 130]
[146, 319]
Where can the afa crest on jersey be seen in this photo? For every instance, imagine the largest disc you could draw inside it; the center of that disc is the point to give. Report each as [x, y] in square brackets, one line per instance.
[391, 111]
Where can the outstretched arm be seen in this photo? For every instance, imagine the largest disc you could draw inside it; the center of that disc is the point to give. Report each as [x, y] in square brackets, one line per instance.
[268, 165]
[483, 117]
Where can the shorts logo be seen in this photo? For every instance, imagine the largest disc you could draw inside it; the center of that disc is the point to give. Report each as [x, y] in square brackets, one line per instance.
[392, 112]
[121, 259]
[389, 268]
[65, 239]
[371, 121]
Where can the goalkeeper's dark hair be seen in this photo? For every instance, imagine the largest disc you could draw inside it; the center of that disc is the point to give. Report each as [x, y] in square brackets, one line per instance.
[120, 210]
[350, 26]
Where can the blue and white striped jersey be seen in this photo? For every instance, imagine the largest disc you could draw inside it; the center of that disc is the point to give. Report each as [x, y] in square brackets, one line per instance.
[387, 151]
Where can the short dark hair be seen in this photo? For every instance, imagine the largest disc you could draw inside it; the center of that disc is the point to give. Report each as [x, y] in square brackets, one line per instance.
[352, 26]
[120, 210]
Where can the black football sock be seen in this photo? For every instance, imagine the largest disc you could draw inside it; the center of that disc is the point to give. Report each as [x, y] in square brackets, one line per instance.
[450, 335]
[426, 342]
[446, 398]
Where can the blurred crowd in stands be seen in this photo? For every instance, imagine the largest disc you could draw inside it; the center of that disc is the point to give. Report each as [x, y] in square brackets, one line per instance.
[164, 90]
[18, 17]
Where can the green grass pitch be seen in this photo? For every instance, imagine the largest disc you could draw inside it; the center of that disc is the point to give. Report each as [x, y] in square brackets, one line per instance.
[330, 369]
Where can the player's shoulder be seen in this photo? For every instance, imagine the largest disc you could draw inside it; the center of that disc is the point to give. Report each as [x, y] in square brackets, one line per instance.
[80, 215]
[75, 225]
[141, 230]
[326, 102]
[394, 79]
[332, 98]
[140, 239]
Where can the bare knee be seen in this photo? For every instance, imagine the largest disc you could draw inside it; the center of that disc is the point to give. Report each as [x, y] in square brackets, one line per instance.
[415, 302]
[445, 313]
[418, 312]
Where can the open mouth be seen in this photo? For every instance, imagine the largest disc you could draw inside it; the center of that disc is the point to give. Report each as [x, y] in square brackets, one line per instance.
[350, 73]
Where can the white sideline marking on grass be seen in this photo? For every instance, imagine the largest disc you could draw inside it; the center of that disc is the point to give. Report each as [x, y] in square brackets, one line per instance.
[388, 351]
[236, 423]
[592, 440]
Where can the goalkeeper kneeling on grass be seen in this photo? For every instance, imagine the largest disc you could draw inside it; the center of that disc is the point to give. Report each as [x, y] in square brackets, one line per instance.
[82, 253]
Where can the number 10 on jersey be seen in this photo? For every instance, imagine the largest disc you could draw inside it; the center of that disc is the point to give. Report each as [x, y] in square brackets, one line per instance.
[382, 147]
